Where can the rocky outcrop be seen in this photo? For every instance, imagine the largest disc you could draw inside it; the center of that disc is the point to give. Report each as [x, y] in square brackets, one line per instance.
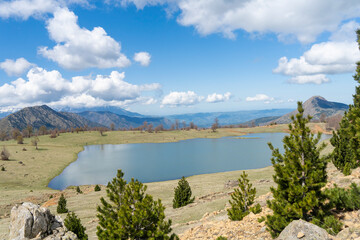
[30, 221]
[300, 229]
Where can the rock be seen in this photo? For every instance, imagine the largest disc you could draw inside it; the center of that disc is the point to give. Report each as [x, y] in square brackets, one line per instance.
[30, 221]
[300, 235]
[310, 231]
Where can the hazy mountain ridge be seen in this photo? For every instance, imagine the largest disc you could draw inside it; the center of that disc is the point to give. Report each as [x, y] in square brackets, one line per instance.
[122, 121]
[315, 107]
[43, 115]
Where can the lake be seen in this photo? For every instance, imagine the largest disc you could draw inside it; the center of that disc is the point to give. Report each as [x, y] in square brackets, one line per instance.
[152, 162]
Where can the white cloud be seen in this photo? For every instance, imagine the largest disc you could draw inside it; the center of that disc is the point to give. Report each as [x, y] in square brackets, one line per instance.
[51, 88]
[15, 68]
[78, 48]
[303, 19]
[316, 79]
[174, 99]
[214, 98]
[332, 57]
[143, 58]
[260, 97]
[27, 8]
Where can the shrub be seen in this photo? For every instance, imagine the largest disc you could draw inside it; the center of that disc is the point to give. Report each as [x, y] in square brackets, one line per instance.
[4, 154]
[73, 224]
[256, 209]
[332, 225]
[182, 193]
[242, 198]
[97, 188]
[61, 208]
[20, 139]
[131, 213]
[344, 199]
[221, 238]
[3, 168]
[78, 190]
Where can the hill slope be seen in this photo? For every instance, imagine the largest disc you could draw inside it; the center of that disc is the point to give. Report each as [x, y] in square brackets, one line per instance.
[122, 121]
[315, 106]
[43, 115]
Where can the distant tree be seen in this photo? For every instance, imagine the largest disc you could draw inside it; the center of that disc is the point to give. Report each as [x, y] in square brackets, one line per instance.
[346, 139]
[184, 124]
[149, 128]
[3, 135]
[78, 190]
[4, 154]
[159, 128]
[131, 213]
[215, 125]
[20, 139]
[112, 127]
[242, 198]
[30, 130]
[144, 126]
[177, 124]
[192, 125]
[61, 208]
[300, 173]
[34, 141]
[97, 188]
[53, 134]
[182, 194]
[42, 130]
[15, 133]
[73, 224]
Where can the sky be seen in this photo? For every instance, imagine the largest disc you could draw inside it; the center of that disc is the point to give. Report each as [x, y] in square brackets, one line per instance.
[161, 57]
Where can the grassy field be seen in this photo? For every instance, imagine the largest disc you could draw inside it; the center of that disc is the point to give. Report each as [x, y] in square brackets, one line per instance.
[29, 171]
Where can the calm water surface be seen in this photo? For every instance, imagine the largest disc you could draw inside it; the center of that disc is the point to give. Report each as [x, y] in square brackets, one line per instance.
[151, 162]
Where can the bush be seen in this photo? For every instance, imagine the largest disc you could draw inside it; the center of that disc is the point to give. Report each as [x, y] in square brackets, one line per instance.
[61, 208]
[78, 190]
[256, 209]
[4, 154]
[131, 213]
[20, 139]
[344, 199]
[182, 193]
[73, 224]
[332, 225]
[242, 198]
[97, 188]
[221, 238]
[3, 168]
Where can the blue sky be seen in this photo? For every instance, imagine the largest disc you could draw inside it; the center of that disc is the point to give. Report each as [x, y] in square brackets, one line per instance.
[176, 56]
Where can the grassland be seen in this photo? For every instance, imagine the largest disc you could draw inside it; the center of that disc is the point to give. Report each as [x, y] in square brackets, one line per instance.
[29, 171]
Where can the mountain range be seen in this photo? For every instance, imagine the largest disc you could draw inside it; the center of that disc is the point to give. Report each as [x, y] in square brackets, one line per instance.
[44, 115]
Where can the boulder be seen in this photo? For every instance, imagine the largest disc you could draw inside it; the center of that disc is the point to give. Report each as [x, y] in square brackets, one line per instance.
[30, 221]
[303, 230]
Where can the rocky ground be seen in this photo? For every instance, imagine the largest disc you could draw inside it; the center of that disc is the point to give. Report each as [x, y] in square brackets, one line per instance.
[216, 224]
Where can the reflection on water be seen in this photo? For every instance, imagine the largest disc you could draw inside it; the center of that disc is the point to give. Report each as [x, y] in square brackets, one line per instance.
[151, 162]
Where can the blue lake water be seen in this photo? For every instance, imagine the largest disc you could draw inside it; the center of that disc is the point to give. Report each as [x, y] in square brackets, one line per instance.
[152, 162]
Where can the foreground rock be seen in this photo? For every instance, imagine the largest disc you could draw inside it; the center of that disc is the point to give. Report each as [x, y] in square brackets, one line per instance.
[30, 221]
[300, 229]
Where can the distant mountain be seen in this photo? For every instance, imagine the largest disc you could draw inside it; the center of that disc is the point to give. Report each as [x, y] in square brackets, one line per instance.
[260, 121]
[227, 118]
[116, 110]
[122, 121]
[43, 115]
[315, 107]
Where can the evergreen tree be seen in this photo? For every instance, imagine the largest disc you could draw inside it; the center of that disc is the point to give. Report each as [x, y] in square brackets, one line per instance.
[73, 224]
[61, 208]
[346, 140]
[182, 194]
[242, 198]
[131, 213]
[97, 188]
[300, 173]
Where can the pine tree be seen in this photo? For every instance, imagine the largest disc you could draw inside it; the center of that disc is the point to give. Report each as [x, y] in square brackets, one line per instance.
[300, 173]
[242, 198]
[131, 213]
[61, 208]
[346, 140]
[97, 188]
[182, 194]
[73, 224]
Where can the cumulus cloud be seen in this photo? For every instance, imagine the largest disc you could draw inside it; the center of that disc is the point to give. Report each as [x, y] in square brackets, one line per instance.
[338, 55]
[78, 48]
[143, 58]
[27, 8]
[15, 68]
[215, 97]
[175, 99]
[303, 19]
[42, 86]
[260, 97]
